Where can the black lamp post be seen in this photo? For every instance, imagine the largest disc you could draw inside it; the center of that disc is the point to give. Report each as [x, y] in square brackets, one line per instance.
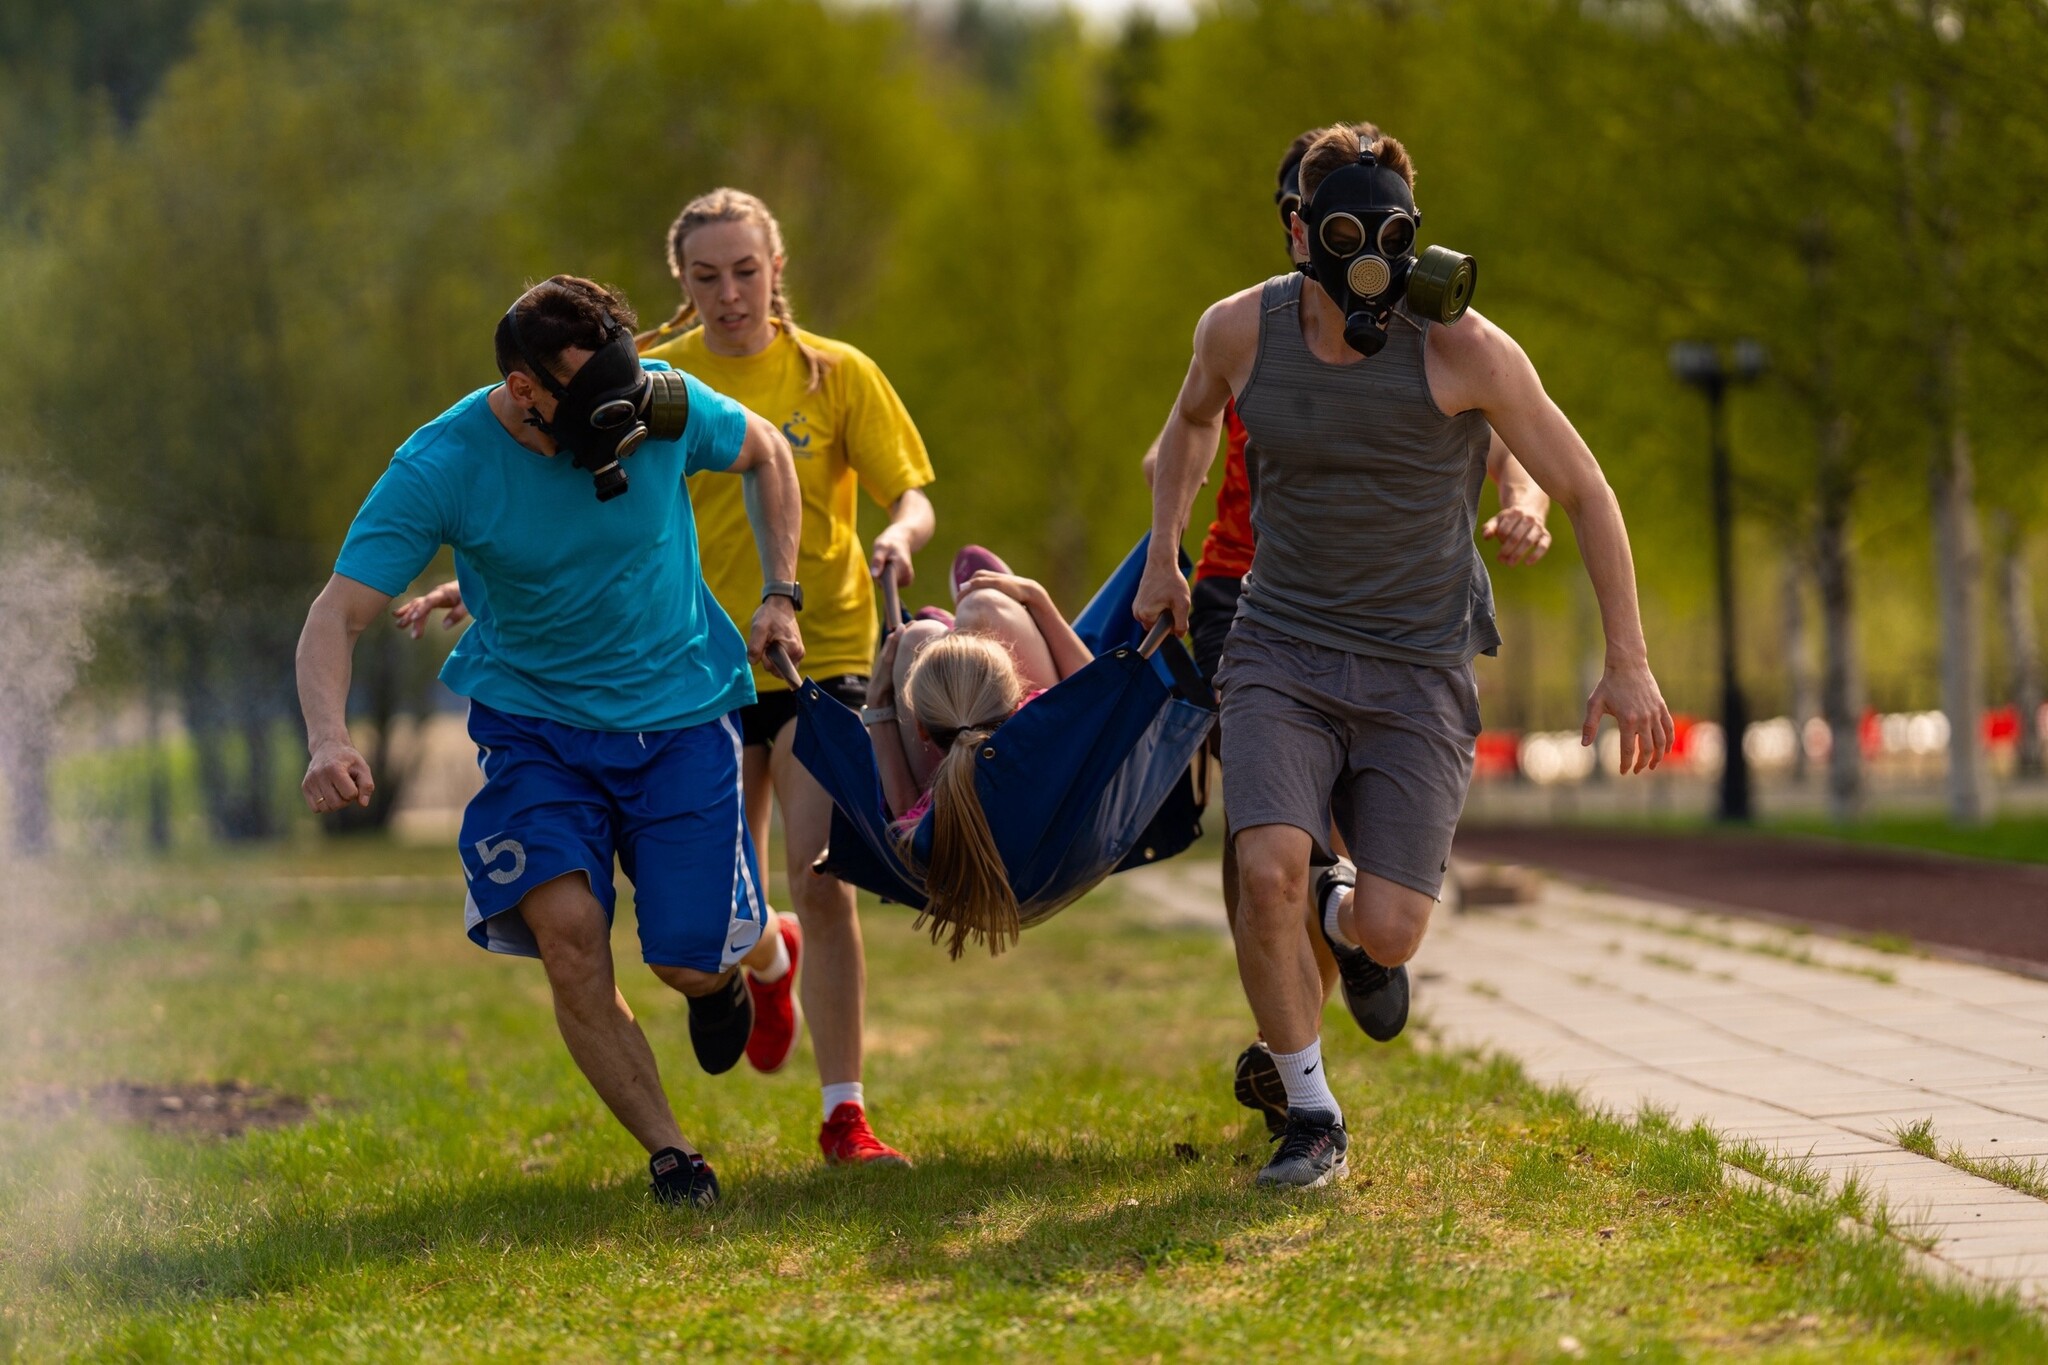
[1706, 367]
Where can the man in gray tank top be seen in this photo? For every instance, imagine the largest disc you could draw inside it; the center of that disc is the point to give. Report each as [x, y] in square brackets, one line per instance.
[1347, 678]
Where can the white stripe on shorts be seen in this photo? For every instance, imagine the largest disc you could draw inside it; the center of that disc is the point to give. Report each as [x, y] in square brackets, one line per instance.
[749, 920]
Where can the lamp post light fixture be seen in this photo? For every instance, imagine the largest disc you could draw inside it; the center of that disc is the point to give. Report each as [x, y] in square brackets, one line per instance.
[1713, 371]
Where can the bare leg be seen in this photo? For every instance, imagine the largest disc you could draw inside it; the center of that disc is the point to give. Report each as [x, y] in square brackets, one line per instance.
[834, 980]
[1004, 618]
[1385, 918]
[603, 1036]
[1326, 965]
[1273, 957]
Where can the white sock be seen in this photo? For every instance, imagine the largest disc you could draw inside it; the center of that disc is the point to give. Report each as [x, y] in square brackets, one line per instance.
[1330, 907]
[779, 968]
[1308, 1088]
[842, 1092]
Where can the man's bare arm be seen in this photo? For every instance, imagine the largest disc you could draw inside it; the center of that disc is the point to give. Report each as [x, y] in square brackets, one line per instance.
[337, 773]
[1492, 372]
[775, 510]
[1225, 342]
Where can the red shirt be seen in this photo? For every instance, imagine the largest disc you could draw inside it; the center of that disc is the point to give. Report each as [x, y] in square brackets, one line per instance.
[1227, 549]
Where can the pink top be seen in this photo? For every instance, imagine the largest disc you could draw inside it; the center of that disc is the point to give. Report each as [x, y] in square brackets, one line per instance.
[924, 802]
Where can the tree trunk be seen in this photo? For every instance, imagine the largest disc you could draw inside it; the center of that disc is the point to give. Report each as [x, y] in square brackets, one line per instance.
[1798, 672]
[1841, 678]
[28, 777]
[1959, 559]
[1841, 687]
[1928, 222]
[155, 669]
[2022, 641]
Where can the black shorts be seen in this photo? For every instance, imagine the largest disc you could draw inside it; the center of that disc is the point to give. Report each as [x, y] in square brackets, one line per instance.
[763, 721]
[1209, 618]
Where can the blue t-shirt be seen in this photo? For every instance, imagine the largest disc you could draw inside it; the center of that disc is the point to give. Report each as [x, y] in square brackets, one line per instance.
[593, 614]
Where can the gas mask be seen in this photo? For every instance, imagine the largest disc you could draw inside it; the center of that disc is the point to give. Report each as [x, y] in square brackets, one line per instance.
[1361, 250]
[608, 407]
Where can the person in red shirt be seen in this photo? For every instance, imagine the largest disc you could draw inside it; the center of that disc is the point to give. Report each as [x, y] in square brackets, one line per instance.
[1227, 553]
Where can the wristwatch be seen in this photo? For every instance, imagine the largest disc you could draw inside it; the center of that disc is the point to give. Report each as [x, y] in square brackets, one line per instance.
[872, 716]
[791, 589]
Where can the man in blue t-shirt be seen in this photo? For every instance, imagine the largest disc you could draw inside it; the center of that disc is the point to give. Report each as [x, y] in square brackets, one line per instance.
[600, 673]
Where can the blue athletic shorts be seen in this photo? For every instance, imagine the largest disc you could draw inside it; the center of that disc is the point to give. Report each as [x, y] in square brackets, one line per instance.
[558, 799]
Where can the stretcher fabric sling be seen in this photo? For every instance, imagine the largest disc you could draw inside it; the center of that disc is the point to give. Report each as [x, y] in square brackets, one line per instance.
[1093, 777]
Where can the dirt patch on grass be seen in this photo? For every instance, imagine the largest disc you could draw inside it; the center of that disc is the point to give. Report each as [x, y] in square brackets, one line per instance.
[212, 1109]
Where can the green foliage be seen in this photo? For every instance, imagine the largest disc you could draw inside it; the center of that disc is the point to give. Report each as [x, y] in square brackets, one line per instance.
[245, 264]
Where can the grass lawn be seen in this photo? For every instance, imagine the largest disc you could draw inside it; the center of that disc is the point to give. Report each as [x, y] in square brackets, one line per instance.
[1083, 1186]
[2020, 838]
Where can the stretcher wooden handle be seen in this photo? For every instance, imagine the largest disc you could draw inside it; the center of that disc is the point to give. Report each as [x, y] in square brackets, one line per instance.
[892, 602]
[781, 667]
[1156, 636]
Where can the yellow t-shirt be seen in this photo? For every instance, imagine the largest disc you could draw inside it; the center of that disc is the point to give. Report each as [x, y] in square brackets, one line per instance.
[853, 429]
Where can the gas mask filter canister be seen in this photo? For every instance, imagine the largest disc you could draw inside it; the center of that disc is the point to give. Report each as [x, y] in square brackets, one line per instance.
[1361, 226]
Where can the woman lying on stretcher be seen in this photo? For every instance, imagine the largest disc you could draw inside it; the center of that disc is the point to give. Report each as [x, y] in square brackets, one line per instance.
[937, 693]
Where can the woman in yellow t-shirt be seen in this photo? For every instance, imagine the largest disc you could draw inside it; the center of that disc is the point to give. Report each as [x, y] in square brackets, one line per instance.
[848, 431]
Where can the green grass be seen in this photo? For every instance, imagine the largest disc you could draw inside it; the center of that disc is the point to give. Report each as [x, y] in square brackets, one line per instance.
[1083, 1187]
[2028, 1176]
[1786, 946]
[2022, 838]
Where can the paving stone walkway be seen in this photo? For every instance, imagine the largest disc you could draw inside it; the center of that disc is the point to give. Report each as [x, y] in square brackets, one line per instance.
[1817, 1050]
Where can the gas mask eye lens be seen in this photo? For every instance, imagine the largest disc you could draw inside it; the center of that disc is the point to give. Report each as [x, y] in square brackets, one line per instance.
[1343, 235]
[1397, 236]
[1290, 204]
[616, 413]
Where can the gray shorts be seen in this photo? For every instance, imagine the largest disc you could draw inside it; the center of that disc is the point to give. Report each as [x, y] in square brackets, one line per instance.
[1311, 733]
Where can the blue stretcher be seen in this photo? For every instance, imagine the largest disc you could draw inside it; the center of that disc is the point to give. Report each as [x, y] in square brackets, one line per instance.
[1096, 776]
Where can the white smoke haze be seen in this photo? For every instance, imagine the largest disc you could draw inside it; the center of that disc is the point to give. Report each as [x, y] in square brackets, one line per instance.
[50, 593]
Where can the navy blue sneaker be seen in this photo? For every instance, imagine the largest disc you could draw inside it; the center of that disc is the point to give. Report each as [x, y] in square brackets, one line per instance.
[1258, 1086]
[682, 1177]
[1377, 996]
[720, 1024]
[1312, 1152]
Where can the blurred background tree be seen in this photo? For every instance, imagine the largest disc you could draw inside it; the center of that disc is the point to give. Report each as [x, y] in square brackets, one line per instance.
[249, 246]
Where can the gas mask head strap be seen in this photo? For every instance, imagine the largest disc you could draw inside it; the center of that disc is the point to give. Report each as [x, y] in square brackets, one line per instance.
[540, 371]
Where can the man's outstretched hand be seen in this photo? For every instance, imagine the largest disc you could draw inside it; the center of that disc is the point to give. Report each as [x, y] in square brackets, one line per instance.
[1629, 693]
[412, 616]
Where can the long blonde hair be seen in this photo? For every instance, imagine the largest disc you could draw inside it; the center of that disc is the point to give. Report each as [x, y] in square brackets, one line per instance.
[726, 205]
[961, 688]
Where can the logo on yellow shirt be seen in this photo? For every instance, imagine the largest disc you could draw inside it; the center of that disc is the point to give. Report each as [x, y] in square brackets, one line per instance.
[798, 444]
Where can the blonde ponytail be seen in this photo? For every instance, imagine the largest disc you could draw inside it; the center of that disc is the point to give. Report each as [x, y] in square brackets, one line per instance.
[961, 688]
[733, 206]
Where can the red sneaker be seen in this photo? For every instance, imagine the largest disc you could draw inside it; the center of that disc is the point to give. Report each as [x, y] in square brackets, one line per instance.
[777, 1017]
[848, 1141]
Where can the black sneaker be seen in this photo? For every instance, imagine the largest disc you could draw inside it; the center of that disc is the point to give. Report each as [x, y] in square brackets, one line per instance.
[682, 1177]
[1259, 1086]
[1377, 996]
[720, 1024]
[1312, 1152]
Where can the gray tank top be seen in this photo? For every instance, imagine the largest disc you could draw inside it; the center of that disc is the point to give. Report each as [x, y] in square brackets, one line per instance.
[1364, 498]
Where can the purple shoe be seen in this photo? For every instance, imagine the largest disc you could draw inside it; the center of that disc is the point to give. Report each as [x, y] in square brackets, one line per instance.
[971, 560]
